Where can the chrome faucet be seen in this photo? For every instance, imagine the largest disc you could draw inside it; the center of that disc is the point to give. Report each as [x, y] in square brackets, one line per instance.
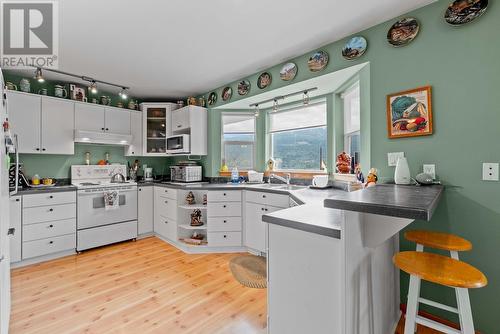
[285, 179]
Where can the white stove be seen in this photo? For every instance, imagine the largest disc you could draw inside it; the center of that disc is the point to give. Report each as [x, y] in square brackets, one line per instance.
[98, 225]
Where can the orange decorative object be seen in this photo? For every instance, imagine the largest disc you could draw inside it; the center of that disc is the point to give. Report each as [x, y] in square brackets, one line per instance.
[371, 178]
[101, 162]
[438, 240]
[440, 269]
[343, 163]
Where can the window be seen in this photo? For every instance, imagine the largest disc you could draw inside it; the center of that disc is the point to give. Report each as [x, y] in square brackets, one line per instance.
[298, 137]
[352, 113]
[238, 140]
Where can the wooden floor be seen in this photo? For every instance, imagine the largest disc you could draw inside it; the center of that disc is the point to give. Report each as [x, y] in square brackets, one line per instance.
[146, 286]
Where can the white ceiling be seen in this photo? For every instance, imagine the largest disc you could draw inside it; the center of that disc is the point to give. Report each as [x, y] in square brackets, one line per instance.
[176, 48]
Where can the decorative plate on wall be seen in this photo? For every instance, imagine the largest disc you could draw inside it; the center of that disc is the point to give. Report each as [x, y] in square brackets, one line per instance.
[227, 92]
[403, 32]
[264, 80]
[288, 72]
[460, 12]
[318, 61]
[243, 87]
[212, 98]
[354, 48]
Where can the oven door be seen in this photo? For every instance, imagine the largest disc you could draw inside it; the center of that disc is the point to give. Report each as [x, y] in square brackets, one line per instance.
[91, 211]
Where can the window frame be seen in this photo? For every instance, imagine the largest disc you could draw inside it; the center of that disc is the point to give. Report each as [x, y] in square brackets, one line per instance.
[348, 135]
[291, 107]
[238, 142]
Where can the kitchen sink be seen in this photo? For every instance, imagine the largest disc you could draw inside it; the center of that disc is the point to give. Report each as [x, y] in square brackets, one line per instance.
[292, 187]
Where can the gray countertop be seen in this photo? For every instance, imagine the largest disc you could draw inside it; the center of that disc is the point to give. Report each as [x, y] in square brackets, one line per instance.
[49, 189]
[412, 202]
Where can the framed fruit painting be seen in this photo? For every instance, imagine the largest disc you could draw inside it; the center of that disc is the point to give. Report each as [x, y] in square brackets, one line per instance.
[409, 113]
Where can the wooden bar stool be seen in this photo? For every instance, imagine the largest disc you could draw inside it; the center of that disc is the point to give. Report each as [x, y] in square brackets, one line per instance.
[438, 240]
[444, 271]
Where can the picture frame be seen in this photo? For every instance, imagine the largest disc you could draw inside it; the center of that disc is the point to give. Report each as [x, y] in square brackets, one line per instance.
[77, 93]
[409, 113]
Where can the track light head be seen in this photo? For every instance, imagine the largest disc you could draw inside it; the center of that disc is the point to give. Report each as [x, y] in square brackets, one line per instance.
[305, 98]
[275, 105]
[93, 87]
[257, 111]
[123, 93]
[38, 75]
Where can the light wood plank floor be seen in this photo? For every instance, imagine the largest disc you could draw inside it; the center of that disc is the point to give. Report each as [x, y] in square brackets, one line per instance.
[146, 286]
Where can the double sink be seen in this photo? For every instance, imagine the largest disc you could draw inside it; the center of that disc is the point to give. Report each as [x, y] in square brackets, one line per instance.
[280, 186]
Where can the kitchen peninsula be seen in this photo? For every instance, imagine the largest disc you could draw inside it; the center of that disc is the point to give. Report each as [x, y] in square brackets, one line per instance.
[330, 264]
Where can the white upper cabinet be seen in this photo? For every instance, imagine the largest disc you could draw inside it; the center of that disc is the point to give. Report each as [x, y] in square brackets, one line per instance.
[89, 117]
[58, 118]
[42, 124]
[135, 147]
[157, 127]
[117, 121]
[180, 119]
[25, 116]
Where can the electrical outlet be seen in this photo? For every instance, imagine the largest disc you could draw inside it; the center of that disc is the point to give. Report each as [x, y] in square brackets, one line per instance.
[490, 171]
[392, 158]
[431, 170]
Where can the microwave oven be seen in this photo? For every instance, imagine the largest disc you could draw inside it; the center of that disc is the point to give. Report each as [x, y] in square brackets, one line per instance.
[178, 144]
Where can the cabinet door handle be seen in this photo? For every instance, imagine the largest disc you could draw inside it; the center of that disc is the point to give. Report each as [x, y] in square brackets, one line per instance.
[107, 129]
[224, 206]
[17, 199]
[225, 236]
[102, 129]
[51, 196]
[51, 226]
[224, 194]
[51, 242]
[166, 202]
[225, 221]
[266, 210]
[166, 190]
[38, 149]
[166, 222]
[262, 209]
[179, 125]
[50, 210]
[263, 196]
[43, 149]
[140, 189]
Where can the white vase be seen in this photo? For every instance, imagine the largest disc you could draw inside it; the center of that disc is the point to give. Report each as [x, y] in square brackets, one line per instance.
[402, 173]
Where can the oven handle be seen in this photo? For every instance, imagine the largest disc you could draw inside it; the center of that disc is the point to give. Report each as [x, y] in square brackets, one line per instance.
[101, 193]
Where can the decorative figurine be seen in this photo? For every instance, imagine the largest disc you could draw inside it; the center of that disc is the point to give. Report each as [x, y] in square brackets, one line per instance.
[196, 218]
[343, 163]
[372, 178]
[197, 236]
[205, 200]
[190, 198]
[359, 174]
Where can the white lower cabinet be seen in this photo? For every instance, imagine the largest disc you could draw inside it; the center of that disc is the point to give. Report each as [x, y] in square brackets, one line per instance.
[16, 227]
[256, 205]
[224, 224]
[145, 210]
[48, 223]
[165, 212]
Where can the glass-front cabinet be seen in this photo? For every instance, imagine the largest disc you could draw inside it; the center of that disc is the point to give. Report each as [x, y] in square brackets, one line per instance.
[157, 118]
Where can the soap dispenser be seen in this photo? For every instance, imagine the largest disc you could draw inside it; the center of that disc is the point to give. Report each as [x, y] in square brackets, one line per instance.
[402, 173]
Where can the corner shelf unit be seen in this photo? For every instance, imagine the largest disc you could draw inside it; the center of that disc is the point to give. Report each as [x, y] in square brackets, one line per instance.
[185, 230]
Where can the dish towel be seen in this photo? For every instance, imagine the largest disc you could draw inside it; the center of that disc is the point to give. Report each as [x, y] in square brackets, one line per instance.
[111, 200]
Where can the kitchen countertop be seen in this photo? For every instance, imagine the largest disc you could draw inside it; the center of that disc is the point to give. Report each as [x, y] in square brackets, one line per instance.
[49, 189]
[412, 202]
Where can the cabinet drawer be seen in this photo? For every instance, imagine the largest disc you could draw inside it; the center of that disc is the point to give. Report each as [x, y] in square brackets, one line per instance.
[221, 239]
[166, 228]
[224, 196]
[166, 192]
[224, 224]
[44, 199]
[49, 245]
[278, 200]
[166, 207]
[48, 213]
[220, 209]
[49, 229]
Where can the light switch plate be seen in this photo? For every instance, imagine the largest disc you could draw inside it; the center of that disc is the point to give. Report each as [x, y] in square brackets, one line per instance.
[490, 171]
[392, 158]
[430, 169]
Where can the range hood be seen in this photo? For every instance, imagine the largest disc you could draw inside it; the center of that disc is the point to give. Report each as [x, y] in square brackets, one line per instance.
[97, 137]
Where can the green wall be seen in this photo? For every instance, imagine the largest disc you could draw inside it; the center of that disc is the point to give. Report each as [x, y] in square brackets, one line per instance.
[58, 166]
[462, 66]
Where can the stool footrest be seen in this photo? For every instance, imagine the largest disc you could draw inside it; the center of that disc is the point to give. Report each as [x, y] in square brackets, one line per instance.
[438, 305]
[436, 325]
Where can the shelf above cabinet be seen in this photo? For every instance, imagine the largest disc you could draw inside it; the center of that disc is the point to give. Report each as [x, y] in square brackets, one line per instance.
[189, 227]
[193, 207]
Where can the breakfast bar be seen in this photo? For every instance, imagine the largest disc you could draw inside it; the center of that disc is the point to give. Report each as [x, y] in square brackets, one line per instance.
[330, 264]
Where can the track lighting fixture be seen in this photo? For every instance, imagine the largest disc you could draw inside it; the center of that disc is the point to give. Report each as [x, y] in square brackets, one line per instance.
[305, 98]
[123, 93]
[38, 75]
[275, 105]
[93, 87]
[257, 111]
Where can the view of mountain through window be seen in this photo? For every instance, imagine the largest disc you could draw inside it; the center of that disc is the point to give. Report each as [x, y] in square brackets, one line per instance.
[299, 137]
[238, 140]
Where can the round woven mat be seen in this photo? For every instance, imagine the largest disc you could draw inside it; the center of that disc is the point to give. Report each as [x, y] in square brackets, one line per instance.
[249, 270]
